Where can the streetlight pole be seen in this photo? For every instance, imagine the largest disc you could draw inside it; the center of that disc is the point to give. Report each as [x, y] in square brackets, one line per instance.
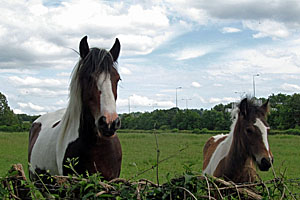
[129, 104]
[176, 95]
[241, 94]
[186, 102]
[254, 84]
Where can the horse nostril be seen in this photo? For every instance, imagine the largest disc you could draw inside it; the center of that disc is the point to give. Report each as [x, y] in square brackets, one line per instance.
[102, 121]
[265, 163]
[117, 123]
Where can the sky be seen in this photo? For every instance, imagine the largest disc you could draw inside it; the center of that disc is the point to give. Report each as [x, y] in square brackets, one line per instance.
[208, 52]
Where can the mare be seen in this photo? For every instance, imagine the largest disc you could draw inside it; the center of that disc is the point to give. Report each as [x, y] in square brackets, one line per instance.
[86, 130]
[233, 156]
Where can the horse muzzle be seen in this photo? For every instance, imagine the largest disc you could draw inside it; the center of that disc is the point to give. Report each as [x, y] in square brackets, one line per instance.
[265, 164]
[108, 129]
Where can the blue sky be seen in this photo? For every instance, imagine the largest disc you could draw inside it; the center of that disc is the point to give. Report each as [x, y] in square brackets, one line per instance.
[211, 49]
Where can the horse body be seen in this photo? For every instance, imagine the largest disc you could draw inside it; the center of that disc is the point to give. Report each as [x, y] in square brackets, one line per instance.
[85, 130]
[233, 156]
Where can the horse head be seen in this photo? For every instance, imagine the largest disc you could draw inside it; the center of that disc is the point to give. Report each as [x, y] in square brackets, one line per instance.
[99, 81]
[253, 130]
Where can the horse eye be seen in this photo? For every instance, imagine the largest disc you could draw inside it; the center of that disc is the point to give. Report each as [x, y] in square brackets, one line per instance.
[249, 130]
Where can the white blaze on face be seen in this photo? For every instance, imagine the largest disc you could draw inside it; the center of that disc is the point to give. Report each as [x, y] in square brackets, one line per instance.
[107, 99]
[264, 130]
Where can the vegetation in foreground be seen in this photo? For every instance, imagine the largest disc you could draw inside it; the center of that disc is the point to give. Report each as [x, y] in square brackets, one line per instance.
[189, 185]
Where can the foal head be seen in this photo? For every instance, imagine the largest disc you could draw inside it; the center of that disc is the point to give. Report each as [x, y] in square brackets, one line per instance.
[98, 80]
[252, 129]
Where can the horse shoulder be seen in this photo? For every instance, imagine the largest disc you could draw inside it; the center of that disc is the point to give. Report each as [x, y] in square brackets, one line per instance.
[209, 149]
[42, 142]
[33, 135]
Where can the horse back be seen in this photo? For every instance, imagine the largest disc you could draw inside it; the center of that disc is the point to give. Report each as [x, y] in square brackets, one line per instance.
[210, 147]
[42, 141]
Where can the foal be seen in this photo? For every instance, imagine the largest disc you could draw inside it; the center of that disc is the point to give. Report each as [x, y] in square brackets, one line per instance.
[233, 156]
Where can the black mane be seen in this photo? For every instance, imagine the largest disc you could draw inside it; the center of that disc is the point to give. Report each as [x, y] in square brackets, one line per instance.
[253, 109]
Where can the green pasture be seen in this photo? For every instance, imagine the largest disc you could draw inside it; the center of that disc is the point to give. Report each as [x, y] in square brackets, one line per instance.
[139, 154]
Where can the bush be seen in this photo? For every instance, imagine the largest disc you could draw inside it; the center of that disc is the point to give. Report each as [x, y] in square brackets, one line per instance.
[196, 131]
[291, 131]
[175, 130]
[13, 128]
[204, 130]
[164, 127]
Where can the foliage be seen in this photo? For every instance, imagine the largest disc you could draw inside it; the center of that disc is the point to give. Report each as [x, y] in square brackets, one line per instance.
[189, 185]
[284, 114]
[11, 122]
[7, 116]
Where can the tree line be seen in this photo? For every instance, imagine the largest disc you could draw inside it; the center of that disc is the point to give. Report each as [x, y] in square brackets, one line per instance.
[9, 121]
[284, 114]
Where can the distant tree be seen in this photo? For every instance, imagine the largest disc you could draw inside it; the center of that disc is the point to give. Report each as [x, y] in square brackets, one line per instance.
[7, 116]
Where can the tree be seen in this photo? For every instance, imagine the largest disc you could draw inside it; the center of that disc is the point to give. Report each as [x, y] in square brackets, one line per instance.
[7, 116]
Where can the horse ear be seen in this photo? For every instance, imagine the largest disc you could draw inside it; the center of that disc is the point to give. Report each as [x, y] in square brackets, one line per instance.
[115, 50]
[266, 107]
[244, 107]
[84, 47]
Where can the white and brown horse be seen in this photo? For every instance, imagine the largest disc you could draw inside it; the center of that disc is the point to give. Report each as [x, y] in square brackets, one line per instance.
[86, 129]
[233, 156]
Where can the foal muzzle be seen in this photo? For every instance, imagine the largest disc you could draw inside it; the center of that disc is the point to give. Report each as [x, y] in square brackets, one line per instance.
[108, 129]
[265, 164]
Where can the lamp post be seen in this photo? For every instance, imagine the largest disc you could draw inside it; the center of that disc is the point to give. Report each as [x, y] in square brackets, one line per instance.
[254, 84]
[241, 94]
[129, 104]
[176, 94]
[186, 102]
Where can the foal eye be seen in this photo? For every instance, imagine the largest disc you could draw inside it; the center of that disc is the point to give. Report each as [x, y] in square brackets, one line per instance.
[249, 130]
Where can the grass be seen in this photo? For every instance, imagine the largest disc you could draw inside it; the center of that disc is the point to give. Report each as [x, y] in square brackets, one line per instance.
[139, 153]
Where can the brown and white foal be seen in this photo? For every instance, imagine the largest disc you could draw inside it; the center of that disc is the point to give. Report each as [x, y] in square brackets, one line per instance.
[233, 156]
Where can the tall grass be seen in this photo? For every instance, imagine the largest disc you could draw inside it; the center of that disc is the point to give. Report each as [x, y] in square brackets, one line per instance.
[139, 154]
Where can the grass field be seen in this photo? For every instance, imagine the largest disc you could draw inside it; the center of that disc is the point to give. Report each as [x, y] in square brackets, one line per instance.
[139, 153]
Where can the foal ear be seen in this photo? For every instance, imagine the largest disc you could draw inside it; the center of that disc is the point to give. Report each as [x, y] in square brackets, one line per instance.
[84, 47]
[266, 107]
[244, 107]
[115, 50]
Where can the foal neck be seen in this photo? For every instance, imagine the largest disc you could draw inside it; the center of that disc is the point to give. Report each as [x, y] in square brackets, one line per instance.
[239, 164]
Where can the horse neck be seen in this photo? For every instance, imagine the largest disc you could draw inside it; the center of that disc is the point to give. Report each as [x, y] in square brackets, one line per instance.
[237, 158]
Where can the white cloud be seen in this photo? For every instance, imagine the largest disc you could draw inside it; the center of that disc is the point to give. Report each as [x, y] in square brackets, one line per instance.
[37, 82]
[224, 100]
[190, 53]
[290, 87]
[230, 30]
[31, 106]
[64, 74]
[137, 101]
[217, 85]
[196, 84]
[18, 111]
[125, 71]
[267, 28]
[42, 92]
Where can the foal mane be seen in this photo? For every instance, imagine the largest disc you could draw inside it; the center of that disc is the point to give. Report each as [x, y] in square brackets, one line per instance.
[252, 110]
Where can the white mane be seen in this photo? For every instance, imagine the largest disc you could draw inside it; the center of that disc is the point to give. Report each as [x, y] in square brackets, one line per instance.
[71, 119]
